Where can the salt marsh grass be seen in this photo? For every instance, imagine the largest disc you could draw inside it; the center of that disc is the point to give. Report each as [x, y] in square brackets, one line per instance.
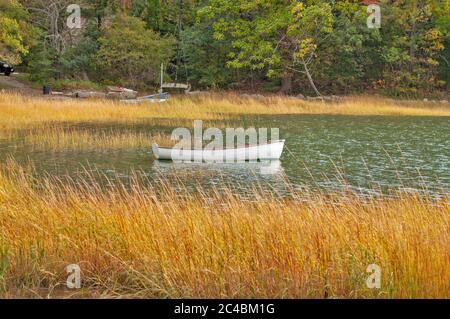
[143, 241]
[17, 111]
[56, 138]
[44, 122]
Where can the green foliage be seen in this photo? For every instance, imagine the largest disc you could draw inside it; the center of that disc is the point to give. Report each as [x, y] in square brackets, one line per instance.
[16, 36]
[307, 46]
[80, 60]
[205, 57]
[412, 44]
[130, 53]
[270, 35]
[350, 56]
[40, 65]
[163, 15]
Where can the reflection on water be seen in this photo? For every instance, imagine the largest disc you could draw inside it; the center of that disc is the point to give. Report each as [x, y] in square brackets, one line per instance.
[364, 154]
[242, 178]
[261, 169]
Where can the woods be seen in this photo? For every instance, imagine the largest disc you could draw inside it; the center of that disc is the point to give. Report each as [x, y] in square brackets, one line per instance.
[310, 47]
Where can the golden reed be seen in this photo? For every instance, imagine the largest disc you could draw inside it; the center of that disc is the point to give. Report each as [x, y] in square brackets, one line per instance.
[142, 241]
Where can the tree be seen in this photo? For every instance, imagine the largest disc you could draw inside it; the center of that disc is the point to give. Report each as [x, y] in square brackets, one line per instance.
[132, 54]
[14, 32]
[411, 48]
[322, 46]
[169, 17]
[205, 57]
[50, 17]
[277, 36]
[98, 9]
[441, 19]
[80, 59]
[164, 16]
[349, 58]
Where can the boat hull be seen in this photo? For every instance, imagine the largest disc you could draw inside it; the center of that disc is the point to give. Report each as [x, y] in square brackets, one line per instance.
[270, 151]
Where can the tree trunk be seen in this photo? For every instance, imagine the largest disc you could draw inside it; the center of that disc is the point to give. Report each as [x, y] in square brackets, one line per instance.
[84, 75]
[412, 37]
[286, 83]
[310, 79]
[411, 46]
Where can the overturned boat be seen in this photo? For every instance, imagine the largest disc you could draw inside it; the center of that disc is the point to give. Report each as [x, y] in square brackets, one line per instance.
[269, 151]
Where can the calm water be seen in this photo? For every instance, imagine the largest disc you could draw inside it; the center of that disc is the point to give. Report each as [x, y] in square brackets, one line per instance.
[367, 154]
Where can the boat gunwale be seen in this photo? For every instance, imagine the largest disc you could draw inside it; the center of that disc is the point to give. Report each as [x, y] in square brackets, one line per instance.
[221, 149]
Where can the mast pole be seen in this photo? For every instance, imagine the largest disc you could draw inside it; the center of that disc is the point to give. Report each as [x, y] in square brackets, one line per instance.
[178, 35]
[162, 78]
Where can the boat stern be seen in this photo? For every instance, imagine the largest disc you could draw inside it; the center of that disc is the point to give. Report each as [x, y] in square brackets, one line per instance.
[271, 151]
[155, 150]
[278, 149]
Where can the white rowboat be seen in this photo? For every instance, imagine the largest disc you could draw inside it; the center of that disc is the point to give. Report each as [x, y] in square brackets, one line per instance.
[269, 151]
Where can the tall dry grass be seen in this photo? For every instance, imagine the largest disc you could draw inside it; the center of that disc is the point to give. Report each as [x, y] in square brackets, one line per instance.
[17, 111]
[143, 241]
[43, 122]
[57, 138]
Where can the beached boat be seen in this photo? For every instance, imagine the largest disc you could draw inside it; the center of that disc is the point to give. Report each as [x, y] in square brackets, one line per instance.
[154, 98]
[269, 151]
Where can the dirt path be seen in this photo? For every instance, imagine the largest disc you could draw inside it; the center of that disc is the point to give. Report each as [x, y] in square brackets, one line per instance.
[11, 83]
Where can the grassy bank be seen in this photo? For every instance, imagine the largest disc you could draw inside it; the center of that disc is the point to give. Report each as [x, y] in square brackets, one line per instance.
[144, 242]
